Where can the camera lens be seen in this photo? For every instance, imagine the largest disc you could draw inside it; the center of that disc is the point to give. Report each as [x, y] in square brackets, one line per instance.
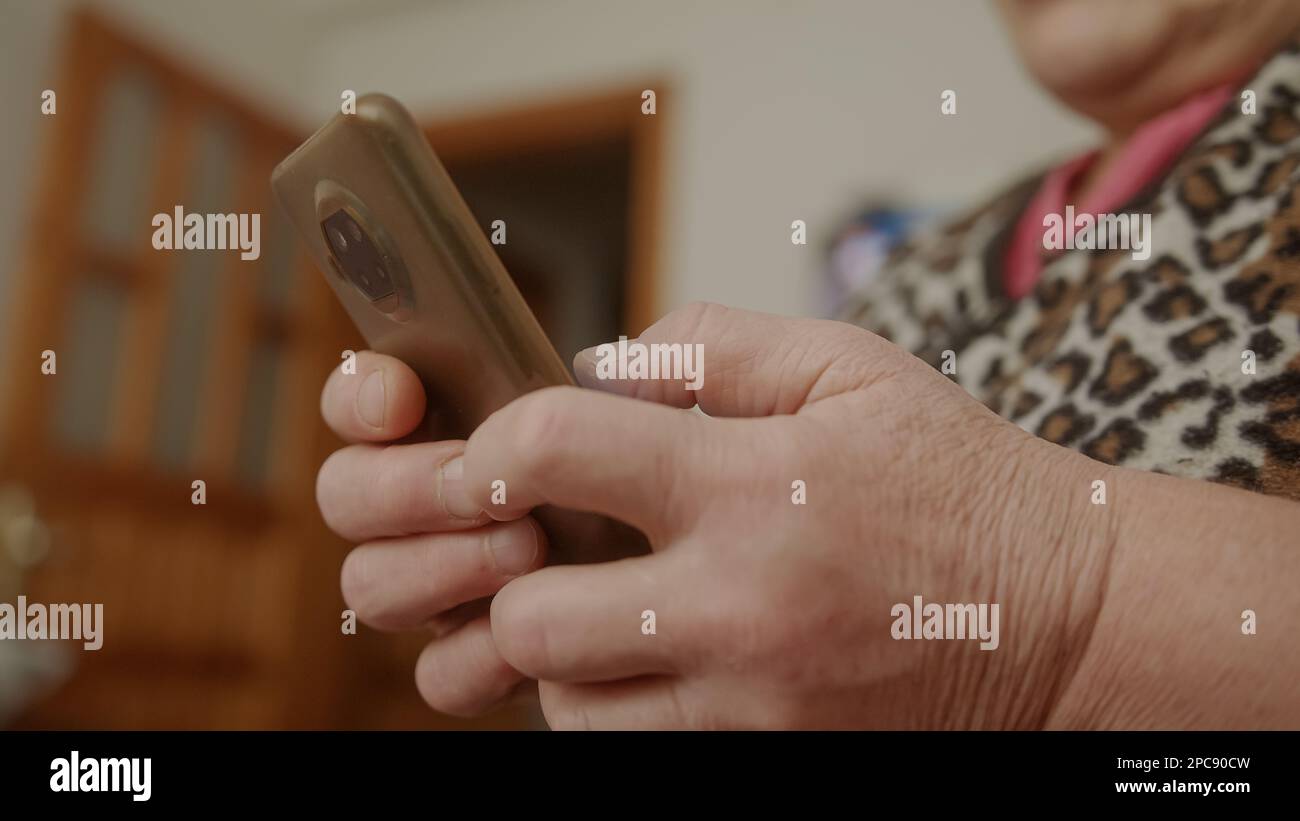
[357, 256]
[339, 241]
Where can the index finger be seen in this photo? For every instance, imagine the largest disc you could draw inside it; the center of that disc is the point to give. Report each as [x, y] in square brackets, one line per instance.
[633, 461]
[378, 400]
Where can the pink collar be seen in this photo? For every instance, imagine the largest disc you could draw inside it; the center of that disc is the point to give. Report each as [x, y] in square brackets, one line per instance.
[1147, 153]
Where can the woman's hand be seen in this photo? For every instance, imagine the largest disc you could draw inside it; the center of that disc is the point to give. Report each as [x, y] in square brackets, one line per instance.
[772, 613]
[419, 565]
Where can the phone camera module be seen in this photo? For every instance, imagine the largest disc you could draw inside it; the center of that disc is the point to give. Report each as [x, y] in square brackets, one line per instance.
[357, 256]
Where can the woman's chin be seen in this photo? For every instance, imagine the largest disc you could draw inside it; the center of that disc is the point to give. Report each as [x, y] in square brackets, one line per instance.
[1087, 51]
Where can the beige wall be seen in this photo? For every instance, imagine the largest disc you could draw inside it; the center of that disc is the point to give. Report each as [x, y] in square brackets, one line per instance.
[782, 110]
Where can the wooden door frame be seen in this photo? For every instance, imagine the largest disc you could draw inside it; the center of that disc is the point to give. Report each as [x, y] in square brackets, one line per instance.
[42, 282]
[576, 121]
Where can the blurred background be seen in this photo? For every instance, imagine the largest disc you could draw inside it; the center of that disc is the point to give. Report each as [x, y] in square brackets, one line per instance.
[176, 367]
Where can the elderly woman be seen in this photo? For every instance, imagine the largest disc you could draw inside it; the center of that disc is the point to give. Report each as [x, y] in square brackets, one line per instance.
[1098, 448]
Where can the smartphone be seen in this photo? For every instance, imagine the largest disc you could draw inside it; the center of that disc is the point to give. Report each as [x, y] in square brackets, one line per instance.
[402, 251]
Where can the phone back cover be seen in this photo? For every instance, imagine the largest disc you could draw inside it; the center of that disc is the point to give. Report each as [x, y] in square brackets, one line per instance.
[464, 328]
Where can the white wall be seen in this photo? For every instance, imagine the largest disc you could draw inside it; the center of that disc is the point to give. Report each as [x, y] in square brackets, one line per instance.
[781, 110]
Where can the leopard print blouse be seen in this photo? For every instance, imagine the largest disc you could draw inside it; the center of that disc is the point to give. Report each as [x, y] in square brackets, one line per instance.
[1146, 364]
